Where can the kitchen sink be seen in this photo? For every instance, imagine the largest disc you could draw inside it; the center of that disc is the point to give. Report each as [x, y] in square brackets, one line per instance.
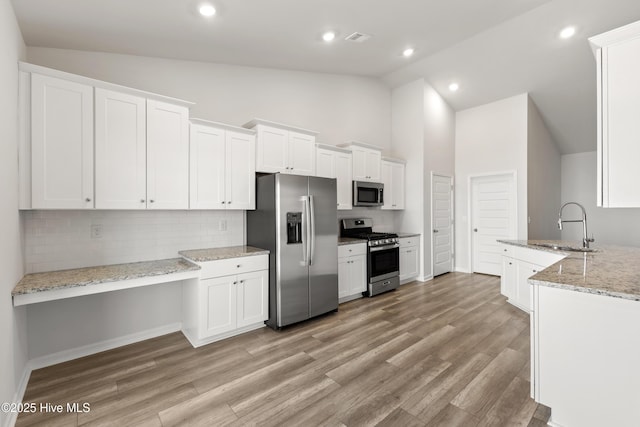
[564, 248]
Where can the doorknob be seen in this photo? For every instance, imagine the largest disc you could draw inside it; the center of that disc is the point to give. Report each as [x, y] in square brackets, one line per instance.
[435, 231]
[475, 230]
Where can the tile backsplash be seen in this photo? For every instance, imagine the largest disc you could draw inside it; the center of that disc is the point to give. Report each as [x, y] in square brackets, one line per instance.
[57, 240]
[383, 221]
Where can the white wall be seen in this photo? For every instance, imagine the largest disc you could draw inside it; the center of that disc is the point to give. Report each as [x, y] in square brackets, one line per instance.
[489, 138]
[340, 107]
[423, 133]
[439, 157]
[13, 351]
[543, 176]
[615, 226]
[58, 326]
[57, 240]
[407, 125]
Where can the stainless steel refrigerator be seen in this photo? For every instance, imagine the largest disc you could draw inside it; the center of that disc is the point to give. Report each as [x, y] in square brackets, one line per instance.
[296, 219]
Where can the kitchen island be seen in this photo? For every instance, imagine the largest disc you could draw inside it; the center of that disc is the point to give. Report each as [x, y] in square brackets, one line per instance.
[585, 336]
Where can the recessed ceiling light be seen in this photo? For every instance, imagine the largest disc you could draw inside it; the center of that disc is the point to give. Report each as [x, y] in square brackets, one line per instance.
[408, 52]
[207, 10]
[329, 36]
[567, 32]
[454, 87]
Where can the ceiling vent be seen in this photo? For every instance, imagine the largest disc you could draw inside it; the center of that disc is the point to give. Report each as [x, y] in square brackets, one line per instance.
[357, 37]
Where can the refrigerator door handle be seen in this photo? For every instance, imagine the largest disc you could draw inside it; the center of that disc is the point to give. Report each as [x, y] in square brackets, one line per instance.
[312, 240]
[305, 230]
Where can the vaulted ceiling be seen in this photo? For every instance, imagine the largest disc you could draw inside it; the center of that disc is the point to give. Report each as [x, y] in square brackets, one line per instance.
[492, 48]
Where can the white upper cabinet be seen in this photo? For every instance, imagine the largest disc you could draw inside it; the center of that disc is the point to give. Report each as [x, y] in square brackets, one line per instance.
[366, 162]
[393, 172]
[618, 87]
[285, 149]
[61, 144]
[141, 156]
[207, 167]
[167, 155]
[121, 149]
[240, 170]
[222, 166]
[333, 162]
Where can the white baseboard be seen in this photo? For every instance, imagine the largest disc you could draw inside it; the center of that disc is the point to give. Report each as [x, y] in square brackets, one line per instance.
[461, 270]
[86, 350]
[19, 395]
[425, 278]
[195, 342]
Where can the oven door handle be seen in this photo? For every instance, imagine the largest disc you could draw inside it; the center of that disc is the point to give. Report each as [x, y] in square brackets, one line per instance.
[383, 248]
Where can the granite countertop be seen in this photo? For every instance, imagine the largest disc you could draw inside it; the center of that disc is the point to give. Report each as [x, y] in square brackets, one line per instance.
[610, 270]
[63, 279]
[403, 235]
[349, 241]
[214, 254]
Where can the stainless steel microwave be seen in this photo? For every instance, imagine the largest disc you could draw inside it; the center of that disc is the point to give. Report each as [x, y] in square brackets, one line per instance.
[368, 193]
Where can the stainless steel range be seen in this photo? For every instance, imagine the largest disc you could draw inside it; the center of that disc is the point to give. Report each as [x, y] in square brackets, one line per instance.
[383, 254]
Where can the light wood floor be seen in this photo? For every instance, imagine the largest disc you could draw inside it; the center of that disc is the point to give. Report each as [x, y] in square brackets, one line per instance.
[445, 353]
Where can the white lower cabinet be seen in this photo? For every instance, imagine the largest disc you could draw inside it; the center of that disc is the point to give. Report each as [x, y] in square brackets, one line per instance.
[352, 271]
[518, 265]
[230, 298]
[409, 259]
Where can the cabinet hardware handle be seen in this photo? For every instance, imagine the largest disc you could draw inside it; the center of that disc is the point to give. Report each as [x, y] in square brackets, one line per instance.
[505, 250]
[241, 281]
[141, 200]
[152, 201]
[87, 199]
[510, 263]
[475, 230]
[223, 202]
[238, 266]
[235, 283]
[535, 271]
[229, 202]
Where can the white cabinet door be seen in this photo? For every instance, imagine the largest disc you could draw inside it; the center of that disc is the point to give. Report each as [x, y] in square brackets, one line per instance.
[509, 279]
[325, 163]
[272, 150]
[167, 156]
[409, 262]
[372, 163]
[392, 176]
[621, 103]
[207, 168]
[121, 149]
[252, 298]
[302, 154]
[397, 185]
[218, 305]
[344, 179]
[360, 172]
[344, 277]
[524, 270]
[358, 274]
[62, 144]
[240, 171]
[366, 164]
[386, 179]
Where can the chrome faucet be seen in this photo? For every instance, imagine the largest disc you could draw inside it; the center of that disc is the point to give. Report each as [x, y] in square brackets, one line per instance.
[585, 240]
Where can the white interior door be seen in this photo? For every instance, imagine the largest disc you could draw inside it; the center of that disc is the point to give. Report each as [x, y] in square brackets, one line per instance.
[493, 217]
[442, 221]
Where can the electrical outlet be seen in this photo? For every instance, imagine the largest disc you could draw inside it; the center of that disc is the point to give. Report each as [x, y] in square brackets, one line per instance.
[222, 225]
[96, 231]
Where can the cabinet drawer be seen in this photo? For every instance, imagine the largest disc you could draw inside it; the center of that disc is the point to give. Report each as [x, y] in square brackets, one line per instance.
[350, 250]
[406, 242]
[226, 267]
[533, 256]
[507, 250]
